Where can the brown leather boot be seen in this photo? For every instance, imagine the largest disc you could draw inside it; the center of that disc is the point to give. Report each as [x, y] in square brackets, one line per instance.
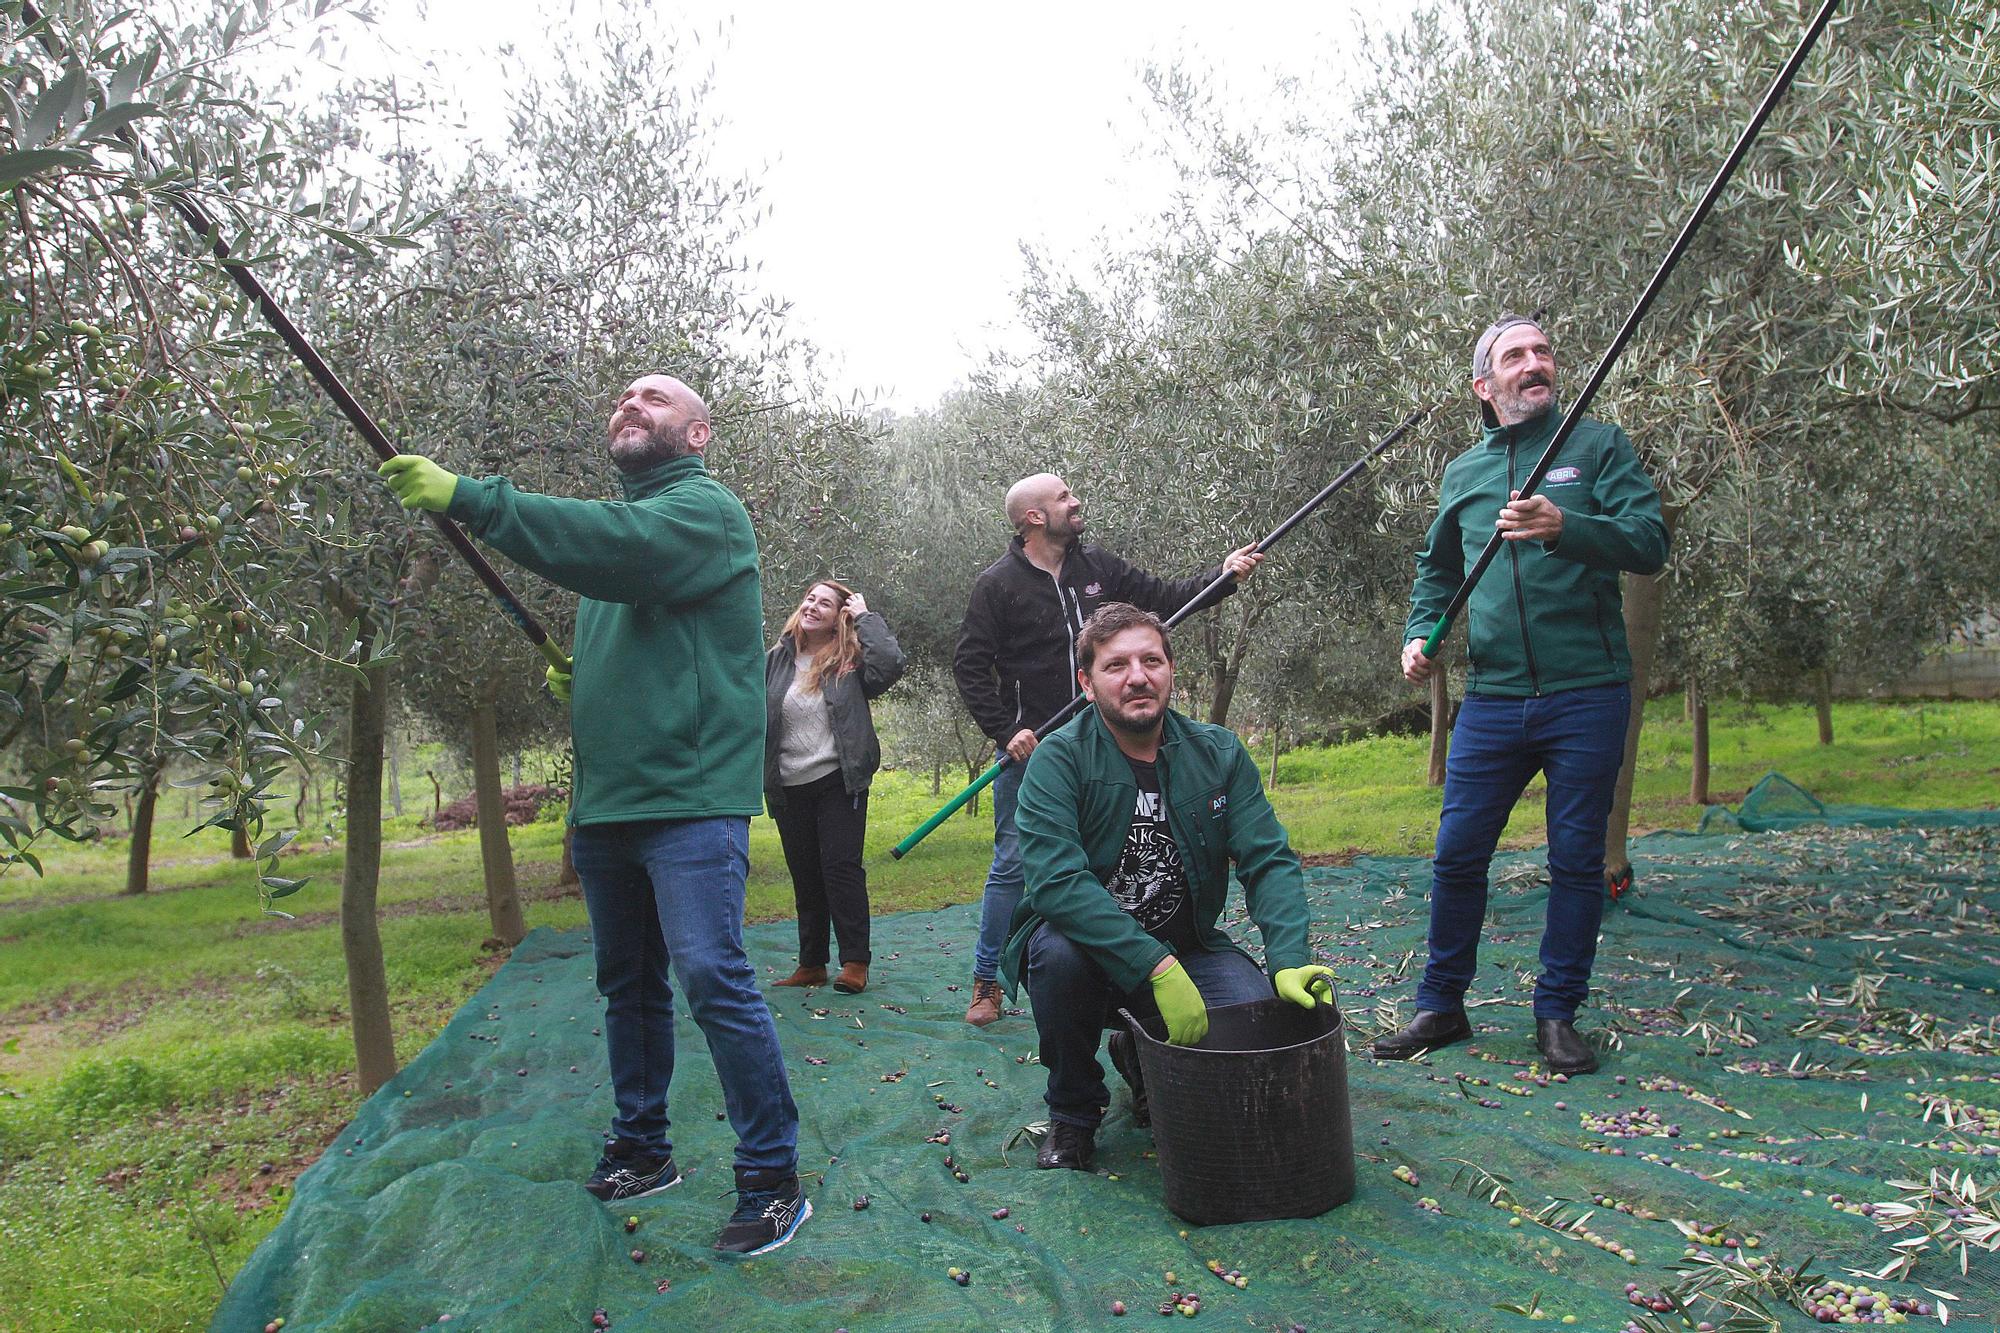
[985, 1006]
[804, 976]
[853, 978]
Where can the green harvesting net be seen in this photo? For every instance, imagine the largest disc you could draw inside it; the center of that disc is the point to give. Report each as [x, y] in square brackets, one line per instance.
[1793, 1021]
[1776, 802]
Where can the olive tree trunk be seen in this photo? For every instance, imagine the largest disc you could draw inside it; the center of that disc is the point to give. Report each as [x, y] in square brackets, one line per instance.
[395, 775]
[360, 932]
[1231, 669]
[1440, 724]
[1823, 703]
[567, 874]
[496, 854]
[1698, 746]
[139, 856]
[239, 844]
[1643, 593]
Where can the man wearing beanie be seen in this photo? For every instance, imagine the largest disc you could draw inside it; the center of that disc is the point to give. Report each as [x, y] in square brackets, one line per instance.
[1548, 689]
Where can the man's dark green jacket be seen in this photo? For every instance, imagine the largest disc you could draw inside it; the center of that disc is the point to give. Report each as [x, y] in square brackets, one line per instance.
[1076, 807]
[667, 705]
[1545, 617]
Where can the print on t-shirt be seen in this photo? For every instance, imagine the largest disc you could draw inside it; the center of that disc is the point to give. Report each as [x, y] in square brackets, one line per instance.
[1150, 883]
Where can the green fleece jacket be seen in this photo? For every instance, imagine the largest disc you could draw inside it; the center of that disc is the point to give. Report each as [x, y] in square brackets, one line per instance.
[1075, 809]
[667, 706]
[1546, 617]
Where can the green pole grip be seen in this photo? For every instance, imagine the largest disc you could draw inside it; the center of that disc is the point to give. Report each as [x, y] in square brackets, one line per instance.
[557, 657]
[950, 808]
[1431, 644]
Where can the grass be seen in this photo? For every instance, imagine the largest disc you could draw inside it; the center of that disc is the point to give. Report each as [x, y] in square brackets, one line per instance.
[168, 1064]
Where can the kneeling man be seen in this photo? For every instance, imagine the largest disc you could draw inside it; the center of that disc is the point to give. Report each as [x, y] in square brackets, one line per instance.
[1129, 819]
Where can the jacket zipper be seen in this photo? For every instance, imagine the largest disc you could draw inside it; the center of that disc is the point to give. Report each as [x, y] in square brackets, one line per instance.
[1072, 613]
[1520, 598]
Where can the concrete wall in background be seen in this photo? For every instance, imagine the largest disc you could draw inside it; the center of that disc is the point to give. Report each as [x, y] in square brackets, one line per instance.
[1970, 673]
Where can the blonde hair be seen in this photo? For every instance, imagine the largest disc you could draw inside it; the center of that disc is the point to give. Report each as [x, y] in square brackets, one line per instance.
[841, 653]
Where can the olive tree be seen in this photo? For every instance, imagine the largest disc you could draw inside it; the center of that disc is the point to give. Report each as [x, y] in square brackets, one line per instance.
[149, 476]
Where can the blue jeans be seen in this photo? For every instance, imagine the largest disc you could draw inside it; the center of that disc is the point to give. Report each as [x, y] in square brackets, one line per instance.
[1074, 1001]
[1003, 881]
[670, 892]
[1577, 738]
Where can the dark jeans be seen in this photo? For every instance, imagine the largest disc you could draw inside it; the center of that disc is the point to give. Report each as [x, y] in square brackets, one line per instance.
[821, 827]
[1577, 738]
[670, 892]
[1074, 1001]
[1003, 880]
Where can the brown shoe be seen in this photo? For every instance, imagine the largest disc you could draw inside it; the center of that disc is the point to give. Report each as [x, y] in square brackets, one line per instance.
[853, 978]
[985, 1006]
[804, 976]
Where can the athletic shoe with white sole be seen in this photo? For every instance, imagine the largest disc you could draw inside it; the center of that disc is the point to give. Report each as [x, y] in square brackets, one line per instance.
[771, 1206]
[628, 1170]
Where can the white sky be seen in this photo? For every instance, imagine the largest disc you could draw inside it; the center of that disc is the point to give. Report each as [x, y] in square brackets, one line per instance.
[909, 149]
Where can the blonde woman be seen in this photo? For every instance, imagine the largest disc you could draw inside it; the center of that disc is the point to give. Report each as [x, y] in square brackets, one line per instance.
[820, 754]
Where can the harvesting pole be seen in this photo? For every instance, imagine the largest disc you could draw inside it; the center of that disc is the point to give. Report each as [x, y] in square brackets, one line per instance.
[209, 232]
[1534, 479]
[1222, 580]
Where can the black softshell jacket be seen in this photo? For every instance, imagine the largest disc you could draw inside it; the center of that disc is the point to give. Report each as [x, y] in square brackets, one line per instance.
[1016, 658]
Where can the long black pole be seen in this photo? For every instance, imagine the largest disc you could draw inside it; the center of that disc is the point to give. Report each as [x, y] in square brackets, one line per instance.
[1534, 478]
[1198, 601]
[206, 229]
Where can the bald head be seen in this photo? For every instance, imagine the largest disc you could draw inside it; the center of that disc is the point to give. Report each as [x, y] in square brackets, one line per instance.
[1042, 503]
[657, 418]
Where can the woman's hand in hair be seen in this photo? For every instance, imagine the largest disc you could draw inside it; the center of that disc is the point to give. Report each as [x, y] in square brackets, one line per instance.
[855, 606]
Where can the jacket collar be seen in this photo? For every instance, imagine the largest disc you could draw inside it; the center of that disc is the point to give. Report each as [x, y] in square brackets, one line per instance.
[1018, 548]
[1099, 731]
[648, 482]
[1532, 433]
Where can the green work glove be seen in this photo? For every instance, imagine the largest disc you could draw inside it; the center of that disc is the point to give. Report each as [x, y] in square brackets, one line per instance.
[559, 682]
[1297, 984]
[418, 482]
[1180, 1004]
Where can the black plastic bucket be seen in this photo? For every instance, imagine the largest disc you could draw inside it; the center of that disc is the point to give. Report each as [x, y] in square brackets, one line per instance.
[1253, 1123]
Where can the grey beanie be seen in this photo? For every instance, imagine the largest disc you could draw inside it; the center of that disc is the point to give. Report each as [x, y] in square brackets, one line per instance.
[1482, 353]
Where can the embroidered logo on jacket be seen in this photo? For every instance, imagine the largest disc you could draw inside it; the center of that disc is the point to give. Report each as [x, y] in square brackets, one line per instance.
[1561, 475]
[1092, 589]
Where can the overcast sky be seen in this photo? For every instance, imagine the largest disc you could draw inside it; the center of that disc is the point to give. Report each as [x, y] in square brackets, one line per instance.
[908, 150]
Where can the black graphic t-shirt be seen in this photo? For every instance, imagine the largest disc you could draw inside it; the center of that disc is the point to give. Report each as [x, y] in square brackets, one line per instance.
[1150, 882]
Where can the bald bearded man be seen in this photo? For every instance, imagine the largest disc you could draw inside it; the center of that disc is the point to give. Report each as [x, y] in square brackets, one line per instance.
[1016, 666]
[667, 715]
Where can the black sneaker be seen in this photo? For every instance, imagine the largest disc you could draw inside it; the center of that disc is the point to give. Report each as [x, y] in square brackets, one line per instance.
[1067, 1146]
[629, 1171]
[1126, 1061]
[771, 1206]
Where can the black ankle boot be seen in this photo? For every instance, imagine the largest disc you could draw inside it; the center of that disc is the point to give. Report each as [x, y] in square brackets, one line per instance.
[1427, 1031]
[1067, 1146]
[1565, 1051]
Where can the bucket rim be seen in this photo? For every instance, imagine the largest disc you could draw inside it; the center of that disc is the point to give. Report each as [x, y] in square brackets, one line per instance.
[1139, 1032]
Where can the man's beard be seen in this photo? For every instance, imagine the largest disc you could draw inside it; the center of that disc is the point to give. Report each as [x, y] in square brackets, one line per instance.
[1514, 408]
[659, 445]
[1069, 529]
[1128, 723]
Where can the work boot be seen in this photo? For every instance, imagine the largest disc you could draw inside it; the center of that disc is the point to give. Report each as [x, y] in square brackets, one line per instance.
[1125, 1059]
[629, 1170]
[853, 978]
[1426, 1032]
[1066, 1147]
[1563, 1048]
[770, 1208]
[985, 1006]
[804, 976]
